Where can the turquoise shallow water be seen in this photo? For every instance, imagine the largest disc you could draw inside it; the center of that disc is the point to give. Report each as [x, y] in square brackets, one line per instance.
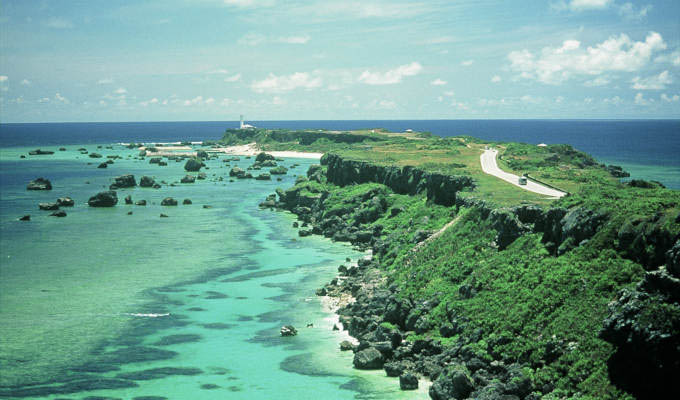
[182, 307]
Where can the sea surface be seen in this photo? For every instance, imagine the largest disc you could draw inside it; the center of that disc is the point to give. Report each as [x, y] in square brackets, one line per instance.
[121, 303]
[648, 149]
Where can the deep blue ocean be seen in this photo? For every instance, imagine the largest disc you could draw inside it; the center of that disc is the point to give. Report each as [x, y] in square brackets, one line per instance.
[649, 149]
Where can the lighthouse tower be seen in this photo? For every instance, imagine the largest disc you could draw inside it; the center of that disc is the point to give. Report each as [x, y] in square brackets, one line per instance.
[243, 125]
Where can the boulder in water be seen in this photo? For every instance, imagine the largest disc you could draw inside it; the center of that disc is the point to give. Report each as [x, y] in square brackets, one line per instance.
[38, 152]
[95, 155]
[288, 330]
[65, 202]
[140, 202]
[188, 179]
[280, 170]
[261, 157]
[39, 184]
[103, 165]
[169, 201]
[187, 201]
[128, 199]
[25, 218]
[123, 181]
[103, 199]
[146, 181]
[59, 213]
[48, 206]
[193, 165]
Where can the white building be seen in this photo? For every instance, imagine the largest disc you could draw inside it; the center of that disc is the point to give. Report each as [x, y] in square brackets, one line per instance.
[243, 125]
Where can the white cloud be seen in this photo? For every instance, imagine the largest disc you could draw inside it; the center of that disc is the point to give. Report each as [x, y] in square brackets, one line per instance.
[277, 101]
[105, 81]
[209, 100]
[392, 76]
[670, 99]
[3, 78]
[198, 100]
[220, 71]
[642, 101]
[496, 79]
[284, 83]
[252, 39]
[449, 93]
[616, 100]
[248, 3]
[467, 63]
[59, 23]
[148, 102]
[366, 9]
[556, 65]
[655, 82]
[530, 99]
[440, 40]
[672, 58]
[581, 5]
[599, 81]
[120, 91]
[559, 99]
[382, 104]
[588, 100]
[44, 100]
[294, 39]
[438, 82]
[26, 82]
[630, 12]
[233, 78]
[61, 98]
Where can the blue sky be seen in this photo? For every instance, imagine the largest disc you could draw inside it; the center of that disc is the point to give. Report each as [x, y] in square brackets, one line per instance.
[272, 59]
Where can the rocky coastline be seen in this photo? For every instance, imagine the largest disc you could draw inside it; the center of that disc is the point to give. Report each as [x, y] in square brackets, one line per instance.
[390, 327]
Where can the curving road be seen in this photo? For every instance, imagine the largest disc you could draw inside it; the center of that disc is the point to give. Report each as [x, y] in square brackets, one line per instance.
[489, 166]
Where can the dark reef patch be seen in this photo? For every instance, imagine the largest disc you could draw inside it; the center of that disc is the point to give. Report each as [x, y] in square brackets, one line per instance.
[177, 339]
[217, 325]
[159, 373]
[209, 386]
[215, 295]
[259, 274]
[304, 364]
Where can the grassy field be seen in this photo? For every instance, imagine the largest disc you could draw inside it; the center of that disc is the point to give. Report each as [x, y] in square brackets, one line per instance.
[560, 165]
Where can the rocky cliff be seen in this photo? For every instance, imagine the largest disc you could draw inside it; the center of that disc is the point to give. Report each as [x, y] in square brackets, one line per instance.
[440, 188]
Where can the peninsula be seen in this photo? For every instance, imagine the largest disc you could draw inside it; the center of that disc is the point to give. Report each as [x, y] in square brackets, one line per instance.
[481, 286]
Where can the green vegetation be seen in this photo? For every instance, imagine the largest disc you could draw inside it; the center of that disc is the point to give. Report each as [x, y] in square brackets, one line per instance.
[519, 288]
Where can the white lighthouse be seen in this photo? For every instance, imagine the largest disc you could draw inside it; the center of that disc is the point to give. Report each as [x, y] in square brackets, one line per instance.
[243, 125]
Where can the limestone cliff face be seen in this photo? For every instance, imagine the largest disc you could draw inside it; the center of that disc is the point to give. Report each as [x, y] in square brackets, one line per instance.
[440, 188]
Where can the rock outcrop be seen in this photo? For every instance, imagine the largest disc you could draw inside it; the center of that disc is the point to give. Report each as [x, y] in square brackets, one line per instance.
[123, 181]
[169, 201]
[39, 184]
[193, 165]
[146, 181]
[103, 199]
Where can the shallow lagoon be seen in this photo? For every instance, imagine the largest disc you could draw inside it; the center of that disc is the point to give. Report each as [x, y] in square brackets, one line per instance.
[77, 293]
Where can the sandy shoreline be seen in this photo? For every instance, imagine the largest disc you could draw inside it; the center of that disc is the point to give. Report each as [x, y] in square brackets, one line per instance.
[250, 149]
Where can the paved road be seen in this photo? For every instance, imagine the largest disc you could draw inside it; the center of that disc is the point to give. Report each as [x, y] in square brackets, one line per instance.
[489, 165]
